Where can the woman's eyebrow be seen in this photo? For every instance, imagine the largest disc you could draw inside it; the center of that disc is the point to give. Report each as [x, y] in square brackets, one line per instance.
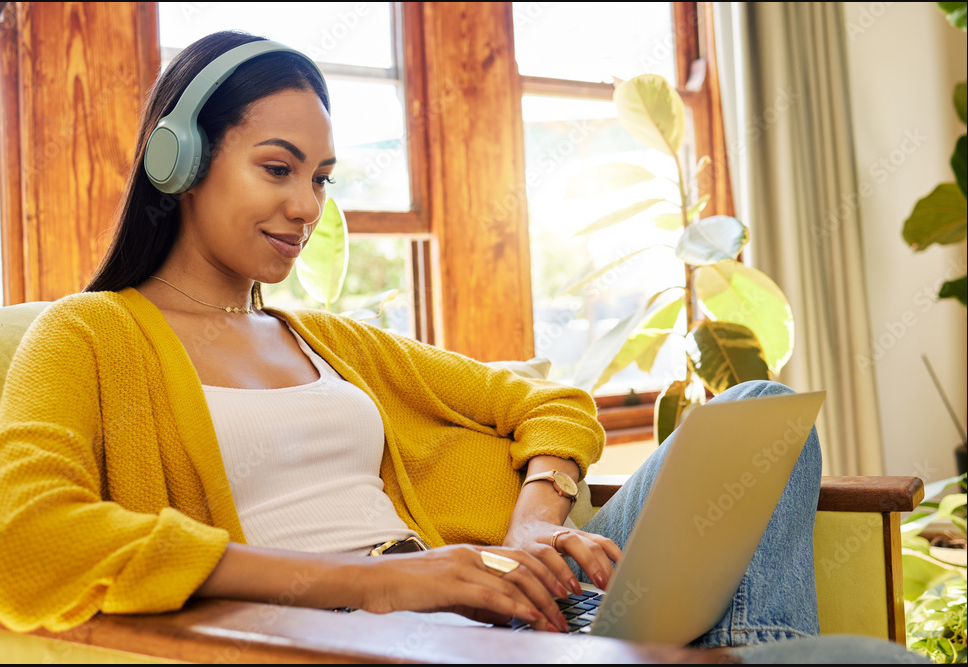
[298, 154]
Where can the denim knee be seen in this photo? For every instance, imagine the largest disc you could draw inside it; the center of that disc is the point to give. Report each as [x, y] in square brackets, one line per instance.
[754, 389]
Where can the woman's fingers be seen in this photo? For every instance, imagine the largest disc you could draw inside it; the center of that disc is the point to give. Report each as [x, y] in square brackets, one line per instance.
[534, 580]
[456, 579]
[564, 579]
[594, 554]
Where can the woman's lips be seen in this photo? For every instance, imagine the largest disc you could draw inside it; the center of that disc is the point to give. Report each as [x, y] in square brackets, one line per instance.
[287, 245]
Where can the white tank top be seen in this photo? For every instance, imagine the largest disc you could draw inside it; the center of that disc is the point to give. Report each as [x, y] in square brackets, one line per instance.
[303, 464]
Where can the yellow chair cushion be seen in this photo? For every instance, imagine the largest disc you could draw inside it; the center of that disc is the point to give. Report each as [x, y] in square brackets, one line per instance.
[848, 556]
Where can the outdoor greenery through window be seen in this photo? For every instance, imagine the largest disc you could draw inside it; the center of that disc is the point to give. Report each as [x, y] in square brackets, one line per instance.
[356, 45]
[571, 125]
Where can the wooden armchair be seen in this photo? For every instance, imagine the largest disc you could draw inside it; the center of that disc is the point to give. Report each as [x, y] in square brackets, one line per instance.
[856, 554]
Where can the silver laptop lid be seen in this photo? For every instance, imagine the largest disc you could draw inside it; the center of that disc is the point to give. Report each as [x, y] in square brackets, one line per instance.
[706, 512]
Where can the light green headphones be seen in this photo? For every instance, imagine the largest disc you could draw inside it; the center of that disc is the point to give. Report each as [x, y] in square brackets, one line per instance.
[178, 147]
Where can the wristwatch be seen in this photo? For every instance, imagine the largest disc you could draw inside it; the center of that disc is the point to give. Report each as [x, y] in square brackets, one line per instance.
[564, 485]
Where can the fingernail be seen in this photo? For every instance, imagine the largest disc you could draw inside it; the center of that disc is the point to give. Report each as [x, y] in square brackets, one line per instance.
[575, 586]
[560, 590]
[600, 580]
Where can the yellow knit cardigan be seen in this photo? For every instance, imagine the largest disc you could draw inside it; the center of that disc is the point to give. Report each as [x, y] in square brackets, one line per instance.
[113, 495]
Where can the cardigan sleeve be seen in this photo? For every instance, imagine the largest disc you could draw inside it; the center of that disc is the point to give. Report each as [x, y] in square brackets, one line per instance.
[67, 552]
[536, 416]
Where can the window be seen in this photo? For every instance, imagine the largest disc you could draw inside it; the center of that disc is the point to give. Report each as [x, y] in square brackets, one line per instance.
[570, 124]
[358, 48]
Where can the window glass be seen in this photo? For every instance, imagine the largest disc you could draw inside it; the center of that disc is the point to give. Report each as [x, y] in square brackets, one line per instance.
[349, 33]
[594, 42]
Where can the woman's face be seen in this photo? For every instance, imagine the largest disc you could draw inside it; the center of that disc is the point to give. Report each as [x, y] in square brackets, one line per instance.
[258, 204]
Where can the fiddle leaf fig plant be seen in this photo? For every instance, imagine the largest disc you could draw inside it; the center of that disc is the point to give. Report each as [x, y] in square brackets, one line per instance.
[738, 323]
[941, 216]
[322, 265]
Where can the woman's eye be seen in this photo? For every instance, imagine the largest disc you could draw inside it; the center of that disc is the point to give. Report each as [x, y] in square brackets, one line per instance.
[277, 170]
[323, 180]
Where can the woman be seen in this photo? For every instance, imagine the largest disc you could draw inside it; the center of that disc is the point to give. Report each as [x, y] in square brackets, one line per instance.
[180, 440]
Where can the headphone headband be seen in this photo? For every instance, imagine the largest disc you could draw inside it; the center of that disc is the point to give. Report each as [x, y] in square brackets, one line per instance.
[178, 148]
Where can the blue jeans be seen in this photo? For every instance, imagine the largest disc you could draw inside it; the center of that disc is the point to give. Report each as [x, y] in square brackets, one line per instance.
[777, 598]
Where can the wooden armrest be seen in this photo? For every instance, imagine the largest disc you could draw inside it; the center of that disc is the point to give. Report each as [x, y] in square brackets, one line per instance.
[870, 494]
[603, 487]
[837, 494]
[222, 631]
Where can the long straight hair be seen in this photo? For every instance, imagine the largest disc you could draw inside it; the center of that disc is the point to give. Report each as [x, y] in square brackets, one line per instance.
[148, 220]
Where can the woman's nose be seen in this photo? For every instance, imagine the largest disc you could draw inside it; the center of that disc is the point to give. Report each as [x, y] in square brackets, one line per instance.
[305, 204]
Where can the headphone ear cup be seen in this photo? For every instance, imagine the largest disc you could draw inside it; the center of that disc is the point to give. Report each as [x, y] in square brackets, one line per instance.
[173, 154]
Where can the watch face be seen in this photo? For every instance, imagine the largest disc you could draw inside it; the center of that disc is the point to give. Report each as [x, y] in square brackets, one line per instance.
[566, 484]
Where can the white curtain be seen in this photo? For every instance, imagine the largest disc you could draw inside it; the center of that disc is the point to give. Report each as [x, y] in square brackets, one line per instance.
[786, 111]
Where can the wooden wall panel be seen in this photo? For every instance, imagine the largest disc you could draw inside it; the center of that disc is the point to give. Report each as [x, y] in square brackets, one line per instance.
[479, 207]
[11, 229]
[83, 72]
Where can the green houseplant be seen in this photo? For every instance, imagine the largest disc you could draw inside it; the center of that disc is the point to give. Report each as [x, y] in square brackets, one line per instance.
[940, 217]
[322, 265]
[738, 323]
[934, 581]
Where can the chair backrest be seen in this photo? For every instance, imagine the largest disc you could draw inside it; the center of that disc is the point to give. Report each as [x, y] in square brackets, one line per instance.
[14, 321]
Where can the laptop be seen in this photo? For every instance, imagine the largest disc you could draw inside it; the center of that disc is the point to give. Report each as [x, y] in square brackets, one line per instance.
[696, 534]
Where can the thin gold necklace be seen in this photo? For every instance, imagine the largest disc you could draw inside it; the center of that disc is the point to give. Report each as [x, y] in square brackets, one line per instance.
[227, 309]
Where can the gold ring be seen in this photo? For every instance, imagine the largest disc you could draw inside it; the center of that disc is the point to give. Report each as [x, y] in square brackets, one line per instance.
[499, 565]
[554, 539]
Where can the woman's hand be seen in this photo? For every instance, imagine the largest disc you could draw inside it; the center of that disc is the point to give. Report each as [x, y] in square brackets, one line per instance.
[538, 515]
[455, 579]
[595, 554]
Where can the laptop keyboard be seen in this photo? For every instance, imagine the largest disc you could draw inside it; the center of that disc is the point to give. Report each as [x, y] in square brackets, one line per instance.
[578, 610]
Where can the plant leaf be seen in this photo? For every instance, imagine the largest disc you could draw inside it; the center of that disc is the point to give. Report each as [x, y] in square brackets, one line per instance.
[961, 101]
[586, 278]
[724, 354]
[732, 292]
[950, 504]
[920, 575]
[657, 325]
[321, 266]
[620, 215]
[915, 543]
[673, 221]
[606, 179]
[935, 489]
[600, 354]
[672, 407]
[646, 340]
[651, 111]
[938, 218]
[615, 350]
[711, 239]
[668, 410]
[959, 162]
[955, 12]
[955, 289]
